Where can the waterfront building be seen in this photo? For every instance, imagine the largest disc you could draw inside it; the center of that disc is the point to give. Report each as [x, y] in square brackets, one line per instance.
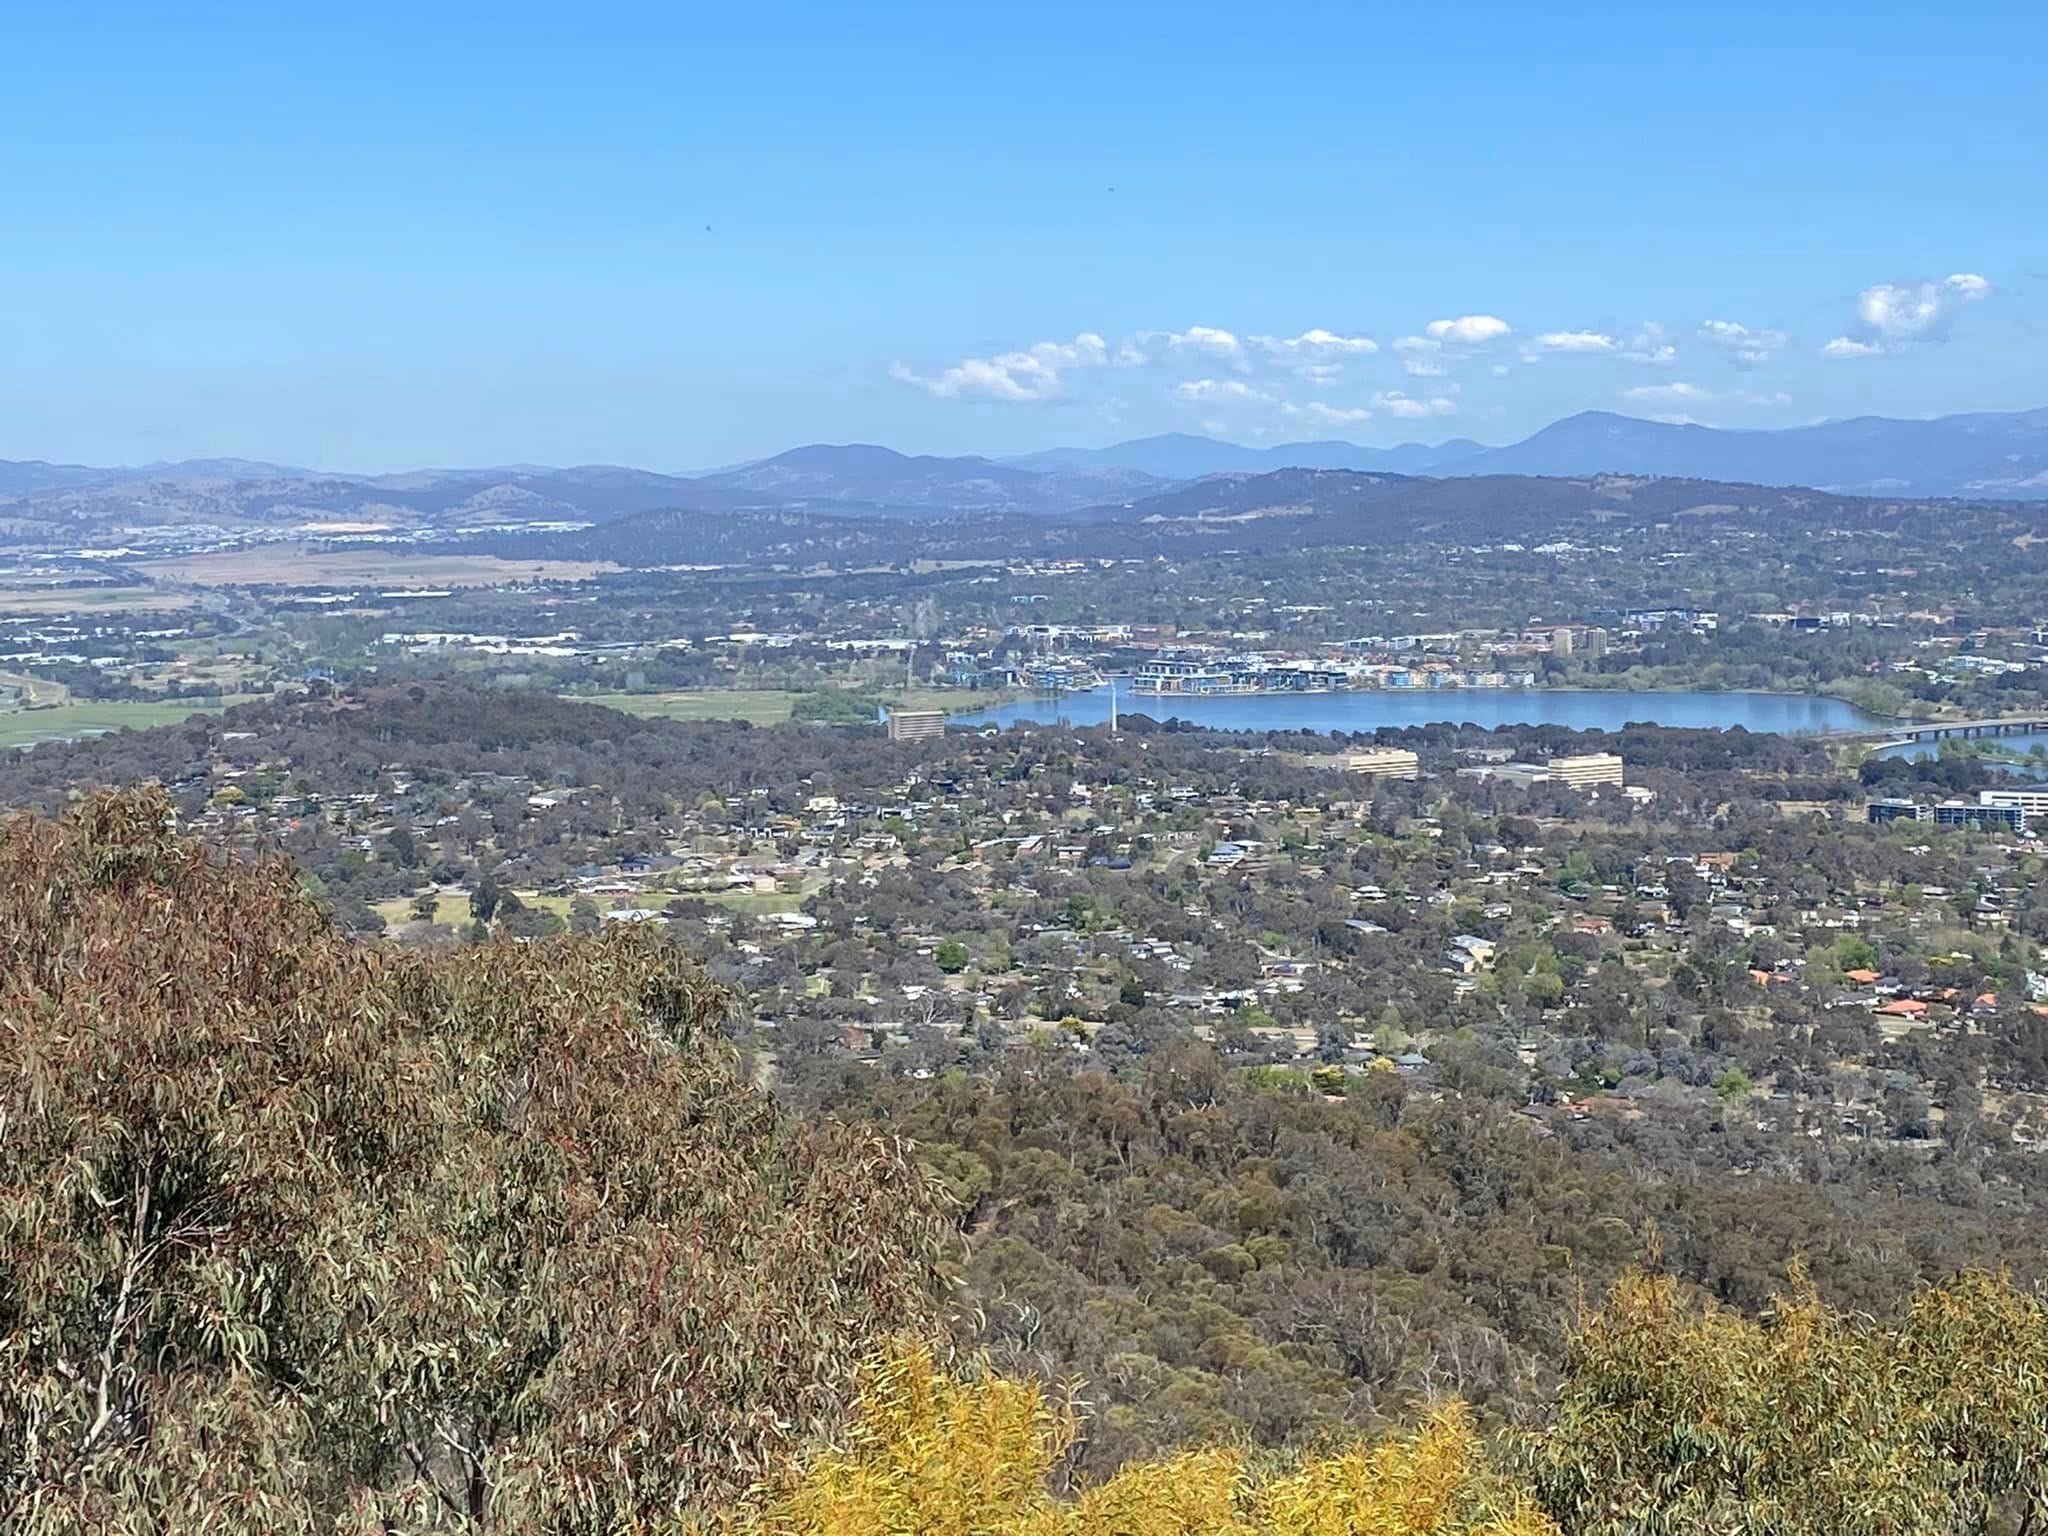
[915, 724]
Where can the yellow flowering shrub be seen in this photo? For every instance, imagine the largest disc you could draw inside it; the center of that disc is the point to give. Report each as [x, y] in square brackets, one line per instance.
[931, 1455]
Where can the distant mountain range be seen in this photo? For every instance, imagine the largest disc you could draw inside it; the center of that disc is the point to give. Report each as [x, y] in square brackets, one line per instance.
[882, 479]
[20, 476]
[1282, 510]
[1180, 456]
[1983, 454]
[1979, 456]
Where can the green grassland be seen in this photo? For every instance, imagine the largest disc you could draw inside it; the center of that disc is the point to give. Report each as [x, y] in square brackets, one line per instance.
[757, 706]
[771, 706]
[62, 722]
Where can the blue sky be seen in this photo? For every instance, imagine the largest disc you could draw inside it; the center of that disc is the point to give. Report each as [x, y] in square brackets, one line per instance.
[367, 237]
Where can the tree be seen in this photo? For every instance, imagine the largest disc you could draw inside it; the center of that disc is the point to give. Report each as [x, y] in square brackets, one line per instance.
[484, 899]
[935, 1456]
[1679, 1416]
[950, 957]
[583, 916]
[300, 1233]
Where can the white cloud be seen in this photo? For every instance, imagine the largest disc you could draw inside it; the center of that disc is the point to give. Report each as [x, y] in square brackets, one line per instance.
[1194, 391]
[1448, 342]
[1395, 403]
[1209, 340]
[1328, 415]
[1648, 345]
[1888, 313]
[1469, 330]
[1029, 375]
[1680, 393]
[1576, 341]
[1895, 310]
[1752, 346]
[1316, 342]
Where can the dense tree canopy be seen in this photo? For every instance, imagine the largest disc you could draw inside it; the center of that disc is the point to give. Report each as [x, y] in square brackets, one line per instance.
[298, 1234]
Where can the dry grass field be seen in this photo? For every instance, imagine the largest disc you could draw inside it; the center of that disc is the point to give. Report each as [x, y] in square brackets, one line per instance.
[290, 565]
[89, 599]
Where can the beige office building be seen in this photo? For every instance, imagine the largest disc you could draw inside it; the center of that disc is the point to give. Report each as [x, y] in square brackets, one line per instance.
[1383, 763]
[1585, 772]
[916, 724]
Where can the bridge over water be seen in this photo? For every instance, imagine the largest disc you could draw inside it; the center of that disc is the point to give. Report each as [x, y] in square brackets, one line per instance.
[1906, 731]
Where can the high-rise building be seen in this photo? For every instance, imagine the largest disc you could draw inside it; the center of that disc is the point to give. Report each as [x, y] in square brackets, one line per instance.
[916, 724]
[1561, 642]
[1595, 644]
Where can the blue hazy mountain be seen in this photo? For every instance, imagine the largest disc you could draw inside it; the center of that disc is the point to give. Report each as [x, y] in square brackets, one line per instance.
[1979, 455]
[1996, 454]
[1184, 456]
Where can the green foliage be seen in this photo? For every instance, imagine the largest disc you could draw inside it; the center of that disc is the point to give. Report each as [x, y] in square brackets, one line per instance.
[837, 706]
[297, 1233]
[1732, 1085]
[951, 957]
[1685, 1419]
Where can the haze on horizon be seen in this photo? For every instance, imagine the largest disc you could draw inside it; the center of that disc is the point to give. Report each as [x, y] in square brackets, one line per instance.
[377, 240]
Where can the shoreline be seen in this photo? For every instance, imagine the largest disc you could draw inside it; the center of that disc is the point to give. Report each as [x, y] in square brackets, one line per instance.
[1374, 710]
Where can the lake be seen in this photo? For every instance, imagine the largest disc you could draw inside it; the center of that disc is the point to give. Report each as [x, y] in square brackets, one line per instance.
[1367, 710]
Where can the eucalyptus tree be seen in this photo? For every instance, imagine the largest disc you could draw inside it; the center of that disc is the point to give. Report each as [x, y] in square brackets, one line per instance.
[303, 1234]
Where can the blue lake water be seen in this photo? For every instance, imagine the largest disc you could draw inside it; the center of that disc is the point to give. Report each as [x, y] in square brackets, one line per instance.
[1367, 710]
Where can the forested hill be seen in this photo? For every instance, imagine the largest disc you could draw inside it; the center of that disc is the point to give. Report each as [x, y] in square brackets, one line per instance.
[643, 520]
[1286, 509]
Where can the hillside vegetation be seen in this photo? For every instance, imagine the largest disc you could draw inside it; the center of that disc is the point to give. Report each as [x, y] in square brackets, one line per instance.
[298, 1235]
[302, 1234]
